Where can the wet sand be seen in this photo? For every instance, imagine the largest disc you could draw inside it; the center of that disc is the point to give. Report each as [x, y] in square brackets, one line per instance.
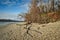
[50, 31]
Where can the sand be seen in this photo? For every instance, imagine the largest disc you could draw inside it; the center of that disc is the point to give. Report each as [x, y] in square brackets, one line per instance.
[50, 31]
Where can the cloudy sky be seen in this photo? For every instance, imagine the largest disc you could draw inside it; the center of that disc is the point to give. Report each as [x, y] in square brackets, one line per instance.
[9, 9]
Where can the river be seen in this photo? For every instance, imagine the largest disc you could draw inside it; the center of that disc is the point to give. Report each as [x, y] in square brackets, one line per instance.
[6, 23]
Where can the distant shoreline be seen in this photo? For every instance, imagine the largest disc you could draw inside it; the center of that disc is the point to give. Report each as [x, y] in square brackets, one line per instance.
[9, 20]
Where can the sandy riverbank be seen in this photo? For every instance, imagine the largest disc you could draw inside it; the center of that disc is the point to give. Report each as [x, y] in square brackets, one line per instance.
[50, 31]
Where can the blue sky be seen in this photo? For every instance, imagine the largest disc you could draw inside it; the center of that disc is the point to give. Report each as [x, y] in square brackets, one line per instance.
[9, 9]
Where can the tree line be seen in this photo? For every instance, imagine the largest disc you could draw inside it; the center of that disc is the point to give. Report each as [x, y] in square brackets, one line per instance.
[43, 11]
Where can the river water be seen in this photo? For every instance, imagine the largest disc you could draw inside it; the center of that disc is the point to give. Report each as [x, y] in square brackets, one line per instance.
[6, 23]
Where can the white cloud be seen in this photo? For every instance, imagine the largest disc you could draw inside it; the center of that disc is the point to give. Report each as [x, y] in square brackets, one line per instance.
[10, 16]
[8, 3]
[14, 2]
[24, 7]
[7, 16]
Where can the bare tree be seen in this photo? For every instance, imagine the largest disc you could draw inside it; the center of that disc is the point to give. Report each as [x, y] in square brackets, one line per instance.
[58, 4]
[52, 5]
[34, 11]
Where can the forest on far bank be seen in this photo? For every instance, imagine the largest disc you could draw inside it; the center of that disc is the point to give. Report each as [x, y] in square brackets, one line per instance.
[43, 11]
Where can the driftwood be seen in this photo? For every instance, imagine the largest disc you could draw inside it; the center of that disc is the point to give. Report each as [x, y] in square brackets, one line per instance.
[28, 28]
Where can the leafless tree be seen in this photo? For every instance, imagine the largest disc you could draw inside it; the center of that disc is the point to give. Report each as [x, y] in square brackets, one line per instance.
[52, 5]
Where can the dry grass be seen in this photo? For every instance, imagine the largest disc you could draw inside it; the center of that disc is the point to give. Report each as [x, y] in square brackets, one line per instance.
[50, 31]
